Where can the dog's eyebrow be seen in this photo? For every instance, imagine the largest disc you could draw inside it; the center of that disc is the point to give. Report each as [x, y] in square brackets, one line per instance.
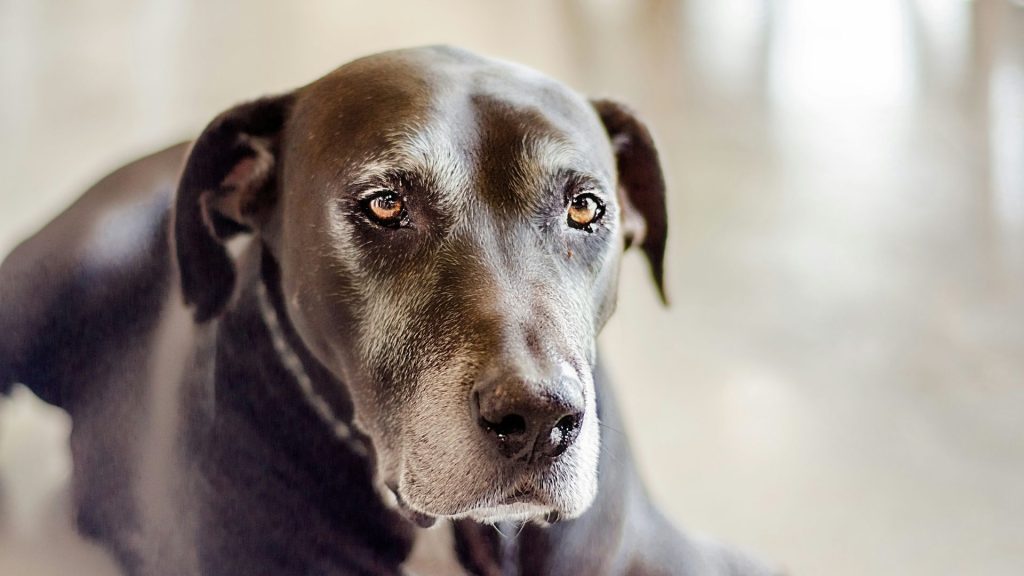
[427, 153]
[549, 152]
[546, 160]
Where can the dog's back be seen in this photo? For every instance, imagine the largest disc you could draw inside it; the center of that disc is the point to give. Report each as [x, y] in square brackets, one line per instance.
[79, 302]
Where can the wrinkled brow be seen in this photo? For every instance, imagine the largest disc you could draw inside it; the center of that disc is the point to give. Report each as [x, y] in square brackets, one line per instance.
[429, 154]
[550, 163]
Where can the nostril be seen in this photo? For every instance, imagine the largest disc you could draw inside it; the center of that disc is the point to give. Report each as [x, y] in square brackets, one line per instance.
[567, 424]
[510, 425]
[563, 433]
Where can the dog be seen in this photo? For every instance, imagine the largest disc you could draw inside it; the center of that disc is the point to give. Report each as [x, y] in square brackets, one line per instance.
[347, 313]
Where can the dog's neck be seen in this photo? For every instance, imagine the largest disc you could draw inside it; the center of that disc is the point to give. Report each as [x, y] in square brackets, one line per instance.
[280, 459]
[287, 346]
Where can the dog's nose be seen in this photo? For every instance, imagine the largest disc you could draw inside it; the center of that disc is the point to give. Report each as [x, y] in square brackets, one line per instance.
[530, 419]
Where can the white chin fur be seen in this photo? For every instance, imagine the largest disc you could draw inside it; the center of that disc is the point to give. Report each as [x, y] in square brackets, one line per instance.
[520, 512]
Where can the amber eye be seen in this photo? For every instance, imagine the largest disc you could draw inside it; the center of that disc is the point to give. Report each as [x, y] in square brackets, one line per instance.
[386, 208]
[585, 210]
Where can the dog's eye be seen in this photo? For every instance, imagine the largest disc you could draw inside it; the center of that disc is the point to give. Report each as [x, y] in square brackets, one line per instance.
[386, 208]
[585, 210]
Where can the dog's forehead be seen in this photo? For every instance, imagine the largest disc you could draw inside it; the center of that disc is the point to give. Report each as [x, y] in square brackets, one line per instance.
[457, 116]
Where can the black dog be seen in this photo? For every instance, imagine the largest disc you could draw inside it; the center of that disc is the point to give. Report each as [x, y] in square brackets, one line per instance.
[409, 334]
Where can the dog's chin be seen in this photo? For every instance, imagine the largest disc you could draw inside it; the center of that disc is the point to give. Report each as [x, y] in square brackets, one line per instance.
[522, 505]
[519, 512]
[516, 512]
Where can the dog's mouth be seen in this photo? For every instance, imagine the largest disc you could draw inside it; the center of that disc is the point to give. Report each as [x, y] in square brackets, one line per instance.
[519, 496]
[418, 518]
[522, 503]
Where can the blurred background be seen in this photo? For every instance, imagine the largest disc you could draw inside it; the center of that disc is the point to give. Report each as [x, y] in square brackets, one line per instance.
[839, 382]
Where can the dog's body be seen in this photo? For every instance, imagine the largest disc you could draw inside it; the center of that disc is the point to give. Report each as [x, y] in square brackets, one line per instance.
[247, 440]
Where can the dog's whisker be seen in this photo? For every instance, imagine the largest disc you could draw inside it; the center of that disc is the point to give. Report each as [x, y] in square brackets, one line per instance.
[607, 427]
[522, 526]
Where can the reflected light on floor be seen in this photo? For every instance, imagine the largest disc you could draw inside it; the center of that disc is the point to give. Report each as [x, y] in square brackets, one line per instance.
[834, 54]
[42, 460]
[1006, 138]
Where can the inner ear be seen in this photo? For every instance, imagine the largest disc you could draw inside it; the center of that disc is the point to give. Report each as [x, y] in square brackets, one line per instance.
[244, 198]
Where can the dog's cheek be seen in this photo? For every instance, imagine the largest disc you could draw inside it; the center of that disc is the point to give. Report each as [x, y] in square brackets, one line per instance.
[446, 467]
[605, 291]
[389, 357]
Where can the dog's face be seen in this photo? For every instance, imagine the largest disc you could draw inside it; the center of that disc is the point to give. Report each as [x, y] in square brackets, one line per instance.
[448, 230]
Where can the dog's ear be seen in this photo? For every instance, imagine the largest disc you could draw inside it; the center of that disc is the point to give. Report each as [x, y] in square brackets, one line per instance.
[641, 185]
[228, 186]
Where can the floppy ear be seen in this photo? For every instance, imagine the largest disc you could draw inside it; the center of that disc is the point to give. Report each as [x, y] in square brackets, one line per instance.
[641, 185]
[228, 186]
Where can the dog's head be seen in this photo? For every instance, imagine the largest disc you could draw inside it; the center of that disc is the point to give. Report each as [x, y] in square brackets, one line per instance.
[448, 230]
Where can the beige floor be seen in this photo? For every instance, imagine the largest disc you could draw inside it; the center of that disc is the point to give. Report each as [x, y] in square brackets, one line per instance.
[839, 384]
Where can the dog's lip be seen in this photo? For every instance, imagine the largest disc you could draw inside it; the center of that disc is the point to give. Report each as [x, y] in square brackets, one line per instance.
[522, 494]
[415, 516]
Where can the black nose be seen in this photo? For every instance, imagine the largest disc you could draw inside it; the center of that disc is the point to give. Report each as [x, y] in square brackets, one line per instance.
[529, 420]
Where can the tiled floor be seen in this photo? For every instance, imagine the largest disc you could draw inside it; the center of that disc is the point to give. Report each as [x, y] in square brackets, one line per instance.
[839, 383]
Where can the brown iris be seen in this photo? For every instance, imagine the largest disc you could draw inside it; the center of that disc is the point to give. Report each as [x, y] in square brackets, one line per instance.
[585, 210]
[386, 208]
